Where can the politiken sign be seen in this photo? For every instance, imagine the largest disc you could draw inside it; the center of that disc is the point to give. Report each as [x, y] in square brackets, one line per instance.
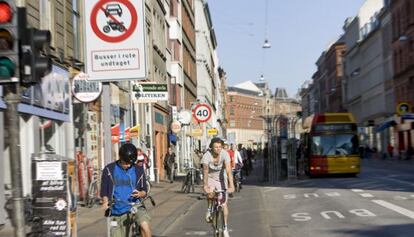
[115, 40]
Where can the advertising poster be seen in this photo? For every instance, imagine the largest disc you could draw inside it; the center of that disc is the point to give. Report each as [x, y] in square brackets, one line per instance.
[50, 194]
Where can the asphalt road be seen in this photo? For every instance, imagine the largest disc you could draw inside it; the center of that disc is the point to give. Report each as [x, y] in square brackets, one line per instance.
[379, 202]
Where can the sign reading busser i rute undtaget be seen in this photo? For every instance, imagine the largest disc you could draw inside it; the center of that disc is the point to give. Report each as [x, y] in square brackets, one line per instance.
[115, 40]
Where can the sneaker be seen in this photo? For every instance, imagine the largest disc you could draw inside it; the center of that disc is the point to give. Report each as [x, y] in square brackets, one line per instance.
[208, 217]
[226, 233]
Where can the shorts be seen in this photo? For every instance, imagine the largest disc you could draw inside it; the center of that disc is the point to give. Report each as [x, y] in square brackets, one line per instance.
[218, 185]
[123, 221]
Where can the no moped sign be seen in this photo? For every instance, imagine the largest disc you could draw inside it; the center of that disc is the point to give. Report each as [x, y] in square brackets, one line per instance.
[115, 40]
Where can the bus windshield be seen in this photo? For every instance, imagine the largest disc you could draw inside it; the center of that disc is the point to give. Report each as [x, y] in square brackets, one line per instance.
[334, 145]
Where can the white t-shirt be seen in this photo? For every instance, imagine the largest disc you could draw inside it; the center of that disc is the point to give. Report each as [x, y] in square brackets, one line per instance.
[216, 171]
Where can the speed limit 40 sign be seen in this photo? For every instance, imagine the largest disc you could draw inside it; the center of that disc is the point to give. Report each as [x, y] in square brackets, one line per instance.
[202, 113]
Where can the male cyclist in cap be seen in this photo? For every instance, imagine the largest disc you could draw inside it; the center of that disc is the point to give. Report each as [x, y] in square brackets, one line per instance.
[124, 182]
[217, 176]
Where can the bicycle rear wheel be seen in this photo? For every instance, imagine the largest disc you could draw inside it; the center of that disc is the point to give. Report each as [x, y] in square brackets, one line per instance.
[90, 198]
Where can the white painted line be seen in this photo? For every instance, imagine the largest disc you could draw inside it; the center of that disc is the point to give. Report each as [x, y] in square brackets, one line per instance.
[357, 190]
[269, 189]
[201, 232]
[367, 195]
[395, 208]
[400, 198]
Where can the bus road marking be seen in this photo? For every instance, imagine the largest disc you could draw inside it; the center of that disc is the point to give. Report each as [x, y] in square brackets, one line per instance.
[357, 190]
[395, 208]
[366, 195]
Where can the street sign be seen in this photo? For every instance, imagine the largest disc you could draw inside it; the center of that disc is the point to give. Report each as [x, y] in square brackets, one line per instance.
[202, 113]
[84, 90]
[212, 131]
[403, 108]
[197, 132]
[115, 42]
[149, 93]
[175, 126]
[184, 117]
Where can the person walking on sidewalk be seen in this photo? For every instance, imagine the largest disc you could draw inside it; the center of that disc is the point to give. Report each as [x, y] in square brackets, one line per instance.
[217, 176]
[390, 150]
[124, 182]
[169, 164]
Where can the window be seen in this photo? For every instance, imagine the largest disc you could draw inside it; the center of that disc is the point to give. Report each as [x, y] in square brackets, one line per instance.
[231, 98]
[231, 111]
[76, 31]
[232, 123]
[174, 8]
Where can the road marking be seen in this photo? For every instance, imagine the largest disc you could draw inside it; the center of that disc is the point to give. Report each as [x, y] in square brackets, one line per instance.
[395, 208]
[200, 232]
[269, 189]
[357, 190]
[400, 198]
[367, 195]
[333, 194]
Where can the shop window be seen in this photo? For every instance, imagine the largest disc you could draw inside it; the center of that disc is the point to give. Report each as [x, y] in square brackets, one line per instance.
[48, 135]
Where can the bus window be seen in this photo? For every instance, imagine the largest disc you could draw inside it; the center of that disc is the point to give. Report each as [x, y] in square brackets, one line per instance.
[334, 145]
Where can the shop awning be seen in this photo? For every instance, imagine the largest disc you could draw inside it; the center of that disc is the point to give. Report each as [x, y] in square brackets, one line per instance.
[407, 116]
[381, 127]
[2, 104]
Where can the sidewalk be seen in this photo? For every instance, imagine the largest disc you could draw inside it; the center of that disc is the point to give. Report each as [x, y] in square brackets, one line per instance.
[170, 204]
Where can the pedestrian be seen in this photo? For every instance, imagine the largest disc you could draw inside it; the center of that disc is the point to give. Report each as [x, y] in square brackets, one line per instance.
[410, 152]
[123, 182]
[169, 164]
[390, 150]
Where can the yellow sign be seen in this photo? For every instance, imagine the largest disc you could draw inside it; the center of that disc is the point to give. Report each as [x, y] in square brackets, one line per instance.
[197, 132]
[403, 108]
[212, 131]
[134, 131]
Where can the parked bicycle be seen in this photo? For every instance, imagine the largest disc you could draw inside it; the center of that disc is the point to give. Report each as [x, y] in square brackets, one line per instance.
[237, 180]
[133, 227]
[217, 213]
[193, 177]
[92, 196]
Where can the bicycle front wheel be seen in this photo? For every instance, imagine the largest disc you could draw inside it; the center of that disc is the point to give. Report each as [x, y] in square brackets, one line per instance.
[218, 223]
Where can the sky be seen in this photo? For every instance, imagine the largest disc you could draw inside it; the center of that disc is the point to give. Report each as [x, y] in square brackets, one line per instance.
[298, 31]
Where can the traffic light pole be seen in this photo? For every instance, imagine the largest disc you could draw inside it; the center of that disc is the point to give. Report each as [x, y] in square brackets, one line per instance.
[12, 99]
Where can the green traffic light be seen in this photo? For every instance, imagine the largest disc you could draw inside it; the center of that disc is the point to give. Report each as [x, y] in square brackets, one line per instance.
[7, 67]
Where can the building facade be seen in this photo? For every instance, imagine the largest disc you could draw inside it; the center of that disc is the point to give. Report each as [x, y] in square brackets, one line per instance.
[402, 14]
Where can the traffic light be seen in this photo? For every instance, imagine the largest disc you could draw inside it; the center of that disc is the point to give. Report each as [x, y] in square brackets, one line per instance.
[35, 55]
[9, 42]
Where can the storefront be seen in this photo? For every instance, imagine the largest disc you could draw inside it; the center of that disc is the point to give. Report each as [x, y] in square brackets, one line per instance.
[45, 113]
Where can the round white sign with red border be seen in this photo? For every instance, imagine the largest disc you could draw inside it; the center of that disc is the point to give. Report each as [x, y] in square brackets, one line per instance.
[202, 113]
[113, 20]
[84, 90]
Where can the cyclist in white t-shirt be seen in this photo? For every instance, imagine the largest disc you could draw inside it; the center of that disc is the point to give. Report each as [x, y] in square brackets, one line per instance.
[217, 176]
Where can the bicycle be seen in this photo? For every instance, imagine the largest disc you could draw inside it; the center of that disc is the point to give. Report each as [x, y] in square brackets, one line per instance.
[237, 180]
[92, 196]
[217, 213]
[133, 228]
[188, 182]
[148, 184]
